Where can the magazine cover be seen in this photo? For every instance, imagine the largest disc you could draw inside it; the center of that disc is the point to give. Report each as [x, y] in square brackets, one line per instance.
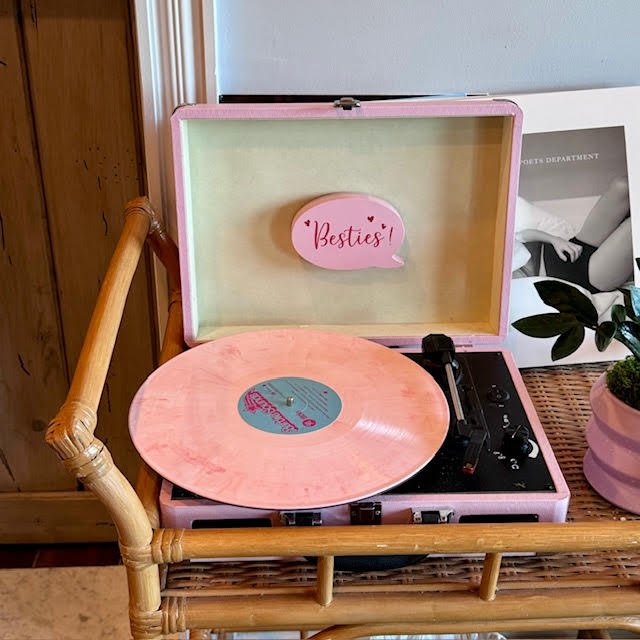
[575, 219]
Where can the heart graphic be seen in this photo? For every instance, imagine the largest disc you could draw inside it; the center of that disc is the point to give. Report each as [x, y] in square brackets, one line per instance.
[307, 222]
[384, 226]
[370, 218]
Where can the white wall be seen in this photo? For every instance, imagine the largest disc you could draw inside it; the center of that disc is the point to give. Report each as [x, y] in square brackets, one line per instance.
[425, 46]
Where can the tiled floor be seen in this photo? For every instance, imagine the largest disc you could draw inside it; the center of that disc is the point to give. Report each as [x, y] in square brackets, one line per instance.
[64, 603]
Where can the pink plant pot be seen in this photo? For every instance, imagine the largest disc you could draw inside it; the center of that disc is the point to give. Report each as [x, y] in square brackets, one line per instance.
[612, 461]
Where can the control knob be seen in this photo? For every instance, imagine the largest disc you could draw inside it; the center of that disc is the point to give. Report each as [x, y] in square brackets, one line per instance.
[515, 442]
[496, 395]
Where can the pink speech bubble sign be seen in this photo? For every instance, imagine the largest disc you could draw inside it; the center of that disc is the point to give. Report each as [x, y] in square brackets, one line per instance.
[348, 231]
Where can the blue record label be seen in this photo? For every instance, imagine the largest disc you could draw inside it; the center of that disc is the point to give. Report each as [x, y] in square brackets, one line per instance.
[289, 405]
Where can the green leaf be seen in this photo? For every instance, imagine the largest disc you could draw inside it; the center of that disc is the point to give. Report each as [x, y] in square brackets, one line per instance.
[568, 342]
[567, 299]
[634, 293]
[627, 303]
[605, 333]
[618, 313]
[630, 337]
[545, 325]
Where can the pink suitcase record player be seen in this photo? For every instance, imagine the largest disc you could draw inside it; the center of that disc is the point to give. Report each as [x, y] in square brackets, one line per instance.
[272, 214]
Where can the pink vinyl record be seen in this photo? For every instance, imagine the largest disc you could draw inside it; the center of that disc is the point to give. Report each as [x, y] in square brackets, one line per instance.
[288, 419]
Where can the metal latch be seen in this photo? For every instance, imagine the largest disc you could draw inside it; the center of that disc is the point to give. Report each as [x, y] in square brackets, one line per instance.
[436, 516]
[301, 518]
[365, 512]
[346, 103]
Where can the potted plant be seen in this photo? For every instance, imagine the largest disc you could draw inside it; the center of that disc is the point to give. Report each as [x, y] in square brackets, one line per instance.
[612, 461]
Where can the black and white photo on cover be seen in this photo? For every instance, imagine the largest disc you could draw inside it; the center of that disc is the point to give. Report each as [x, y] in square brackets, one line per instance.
[573, 223]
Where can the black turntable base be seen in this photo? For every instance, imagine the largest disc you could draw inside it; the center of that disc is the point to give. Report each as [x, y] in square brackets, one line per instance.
[509, 459]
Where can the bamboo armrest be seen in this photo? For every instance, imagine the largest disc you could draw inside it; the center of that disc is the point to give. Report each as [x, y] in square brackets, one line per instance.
[71, 431]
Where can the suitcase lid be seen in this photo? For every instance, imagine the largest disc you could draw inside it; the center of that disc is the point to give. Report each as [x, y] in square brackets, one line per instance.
[447, 168]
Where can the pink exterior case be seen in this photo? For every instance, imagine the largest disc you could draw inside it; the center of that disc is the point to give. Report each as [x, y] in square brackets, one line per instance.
[550, 507]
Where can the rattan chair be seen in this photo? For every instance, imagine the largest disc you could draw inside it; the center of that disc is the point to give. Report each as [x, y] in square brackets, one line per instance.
[575, 581]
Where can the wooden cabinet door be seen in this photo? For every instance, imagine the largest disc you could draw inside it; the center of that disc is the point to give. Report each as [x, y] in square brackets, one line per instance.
[70, 158]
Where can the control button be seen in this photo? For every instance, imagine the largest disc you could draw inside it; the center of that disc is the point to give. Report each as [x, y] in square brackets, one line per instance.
[497, 395]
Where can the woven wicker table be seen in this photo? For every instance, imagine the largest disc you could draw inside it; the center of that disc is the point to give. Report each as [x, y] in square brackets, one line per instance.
[585, 574]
